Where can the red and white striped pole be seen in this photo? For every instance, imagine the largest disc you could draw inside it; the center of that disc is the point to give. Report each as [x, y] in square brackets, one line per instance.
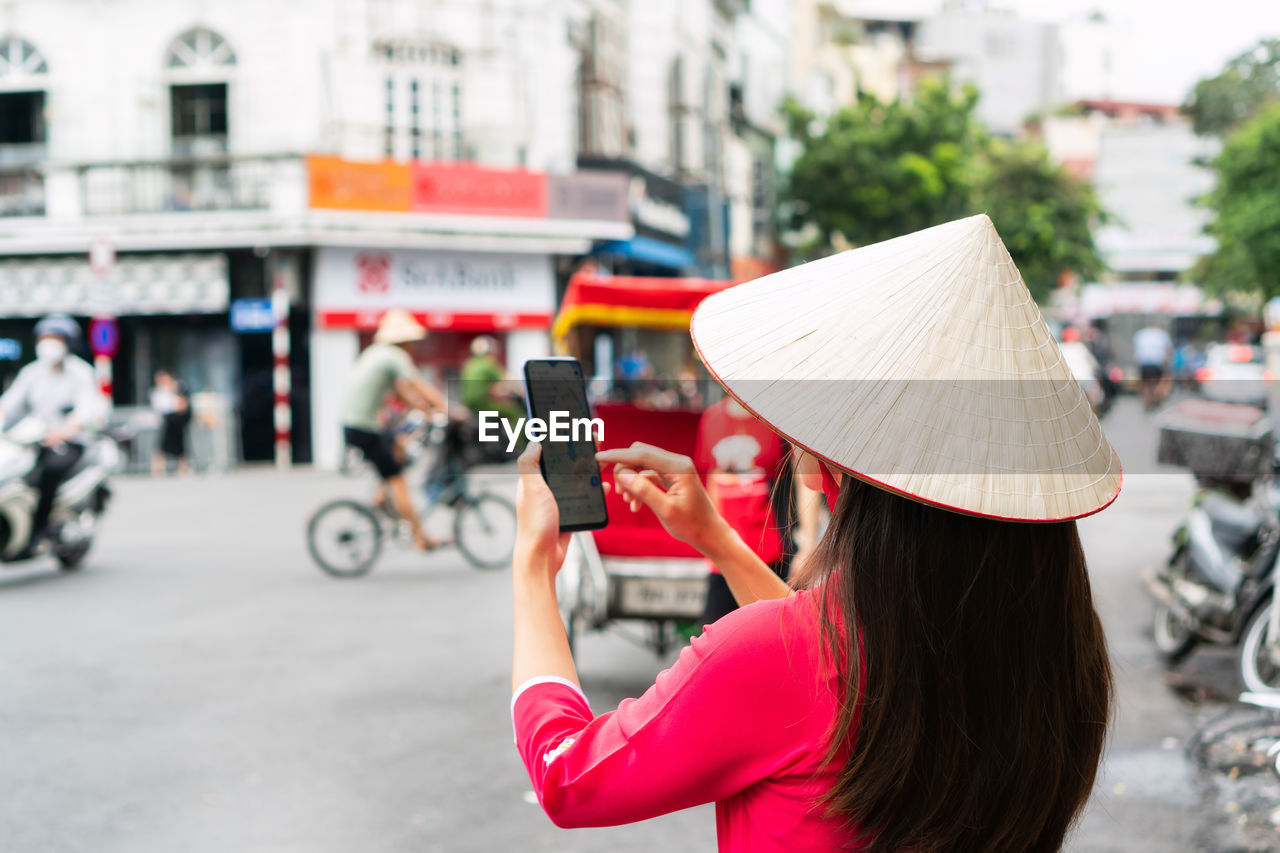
[102, 366]
[280, 375]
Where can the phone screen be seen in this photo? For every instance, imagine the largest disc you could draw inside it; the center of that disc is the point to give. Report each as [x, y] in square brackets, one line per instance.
[556, 392]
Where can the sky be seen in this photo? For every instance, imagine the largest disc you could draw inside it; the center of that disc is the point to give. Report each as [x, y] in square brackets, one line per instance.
[1177, 41]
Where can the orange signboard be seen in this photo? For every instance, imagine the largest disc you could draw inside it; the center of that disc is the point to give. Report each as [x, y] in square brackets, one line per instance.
[349, 185]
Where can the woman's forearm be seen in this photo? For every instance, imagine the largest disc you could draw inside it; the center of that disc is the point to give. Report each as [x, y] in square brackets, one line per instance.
[750, 579]
[541, 647]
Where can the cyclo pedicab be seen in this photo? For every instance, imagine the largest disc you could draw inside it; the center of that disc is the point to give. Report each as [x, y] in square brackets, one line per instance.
[633, 571]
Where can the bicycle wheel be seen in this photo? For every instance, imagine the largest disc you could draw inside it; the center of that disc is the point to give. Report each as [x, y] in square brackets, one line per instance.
[1239, 743]
[1257, 668]
[344, 538]
[484, 528]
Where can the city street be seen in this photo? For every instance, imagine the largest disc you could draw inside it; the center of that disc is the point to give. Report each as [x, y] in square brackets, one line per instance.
[201, 686]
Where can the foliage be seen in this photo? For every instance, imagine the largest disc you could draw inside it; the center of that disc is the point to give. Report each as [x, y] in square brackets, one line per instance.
[1044, 214]
[875, 170]
[1246, 85]
[1246, 201]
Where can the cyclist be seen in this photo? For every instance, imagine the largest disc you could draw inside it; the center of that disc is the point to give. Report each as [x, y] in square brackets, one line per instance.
[484, 383]
[61, 391]
[386, 367]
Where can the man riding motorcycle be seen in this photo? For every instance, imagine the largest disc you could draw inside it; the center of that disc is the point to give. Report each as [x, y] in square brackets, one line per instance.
[61, 391]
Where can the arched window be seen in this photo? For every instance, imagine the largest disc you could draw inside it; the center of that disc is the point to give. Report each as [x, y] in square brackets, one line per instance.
[199, 62]
[23, 75]
[201, 49]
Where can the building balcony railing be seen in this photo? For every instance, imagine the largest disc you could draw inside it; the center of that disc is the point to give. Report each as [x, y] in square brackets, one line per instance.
[207, 183]
[216, 182]
[21, 191]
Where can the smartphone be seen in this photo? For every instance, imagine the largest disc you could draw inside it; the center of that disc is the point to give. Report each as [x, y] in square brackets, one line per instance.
[556, 394]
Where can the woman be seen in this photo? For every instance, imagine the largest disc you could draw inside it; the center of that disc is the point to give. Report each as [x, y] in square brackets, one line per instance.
[170, 400]
[937, 679]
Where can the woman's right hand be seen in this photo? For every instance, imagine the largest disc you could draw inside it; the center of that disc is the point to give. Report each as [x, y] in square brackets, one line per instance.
[668, 484]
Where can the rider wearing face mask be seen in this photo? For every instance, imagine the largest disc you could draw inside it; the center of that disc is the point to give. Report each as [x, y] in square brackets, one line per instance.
[61, 391]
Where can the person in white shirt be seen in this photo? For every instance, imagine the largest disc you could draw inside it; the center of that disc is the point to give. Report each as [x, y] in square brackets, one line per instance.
[61, 391]
[1153, 350]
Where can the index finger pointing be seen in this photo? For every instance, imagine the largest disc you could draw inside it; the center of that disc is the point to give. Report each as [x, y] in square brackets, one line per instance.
[640, 456]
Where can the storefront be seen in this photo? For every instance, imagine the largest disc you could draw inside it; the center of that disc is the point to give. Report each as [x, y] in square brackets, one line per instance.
[171, 312]
[467, 249]
[456, 295]
[663, 229]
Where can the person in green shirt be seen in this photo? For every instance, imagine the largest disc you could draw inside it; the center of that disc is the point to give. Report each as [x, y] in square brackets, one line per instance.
[386, 367]
[484, 383]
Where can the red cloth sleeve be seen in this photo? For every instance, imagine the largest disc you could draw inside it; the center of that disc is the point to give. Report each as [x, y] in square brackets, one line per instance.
[736, 707]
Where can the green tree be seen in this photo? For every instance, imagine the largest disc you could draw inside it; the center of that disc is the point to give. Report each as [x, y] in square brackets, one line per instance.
[1246, 84]
[1246, 204]
[1044, 214]
[877, 170]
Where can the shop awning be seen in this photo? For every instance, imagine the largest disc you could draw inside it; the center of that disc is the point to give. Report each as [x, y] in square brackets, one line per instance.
[647, 250]
[651, 303]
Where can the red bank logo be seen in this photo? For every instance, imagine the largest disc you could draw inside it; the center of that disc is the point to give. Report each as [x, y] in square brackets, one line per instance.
[375, 272]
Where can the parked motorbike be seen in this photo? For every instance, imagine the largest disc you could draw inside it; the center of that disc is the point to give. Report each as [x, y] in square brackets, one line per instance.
[78, 506]
[1220, 580]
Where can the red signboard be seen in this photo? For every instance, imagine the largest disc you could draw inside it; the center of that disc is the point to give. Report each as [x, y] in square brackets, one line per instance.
[441, 321]
[466, 188]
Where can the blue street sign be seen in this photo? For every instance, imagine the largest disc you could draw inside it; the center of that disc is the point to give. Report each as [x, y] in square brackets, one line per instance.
[249, 316]
[104, 336]
[10, 350]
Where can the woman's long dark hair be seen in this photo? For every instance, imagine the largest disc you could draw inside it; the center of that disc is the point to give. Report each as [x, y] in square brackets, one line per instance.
[982, 715]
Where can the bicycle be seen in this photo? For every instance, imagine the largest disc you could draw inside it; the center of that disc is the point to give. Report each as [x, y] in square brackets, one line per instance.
[345, 536]
[1240, 741]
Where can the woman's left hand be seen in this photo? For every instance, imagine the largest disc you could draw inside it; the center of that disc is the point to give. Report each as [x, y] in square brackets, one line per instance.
[539, 542]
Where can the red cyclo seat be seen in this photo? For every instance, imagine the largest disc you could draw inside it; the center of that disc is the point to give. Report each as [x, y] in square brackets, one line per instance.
[640, 534]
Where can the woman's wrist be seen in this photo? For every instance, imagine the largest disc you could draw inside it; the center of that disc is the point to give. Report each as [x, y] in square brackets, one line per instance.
[717, 540]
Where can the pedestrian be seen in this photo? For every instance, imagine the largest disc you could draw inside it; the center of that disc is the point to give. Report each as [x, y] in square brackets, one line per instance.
[171, 401]
[1153, 350]
[935, 678]
[386, 368]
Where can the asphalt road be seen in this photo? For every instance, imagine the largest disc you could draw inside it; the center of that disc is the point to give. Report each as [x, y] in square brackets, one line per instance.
[200, 686]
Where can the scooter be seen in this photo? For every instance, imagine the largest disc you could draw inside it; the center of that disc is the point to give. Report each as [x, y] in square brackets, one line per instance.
[79, 505]
[1220, 580]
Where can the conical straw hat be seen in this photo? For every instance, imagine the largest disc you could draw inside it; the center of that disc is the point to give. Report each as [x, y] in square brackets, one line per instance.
[921, 365]
[399, 327]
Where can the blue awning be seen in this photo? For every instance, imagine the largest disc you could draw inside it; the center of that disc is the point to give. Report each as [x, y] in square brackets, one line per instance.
[650, 251]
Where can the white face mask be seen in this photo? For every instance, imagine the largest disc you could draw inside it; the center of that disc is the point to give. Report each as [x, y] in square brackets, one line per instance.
[51, 351]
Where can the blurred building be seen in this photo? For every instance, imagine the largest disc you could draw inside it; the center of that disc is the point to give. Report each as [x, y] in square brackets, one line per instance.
[843, 48]
[1015, 62]
[1099, 62]
[1147, 167]
[454, 158]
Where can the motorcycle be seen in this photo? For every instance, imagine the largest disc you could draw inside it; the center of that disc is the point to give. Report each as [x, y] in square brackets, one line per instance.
[78, 506]
[1220, 580]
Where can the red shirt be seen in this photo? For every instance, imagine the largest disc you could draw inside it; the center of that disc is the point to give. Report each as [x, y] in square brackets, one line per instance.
[742, 459]
[742, 718]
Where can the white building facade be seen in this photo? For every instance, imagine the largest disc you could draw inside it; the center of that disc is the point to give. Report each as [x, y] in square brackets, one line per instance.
[451, 157]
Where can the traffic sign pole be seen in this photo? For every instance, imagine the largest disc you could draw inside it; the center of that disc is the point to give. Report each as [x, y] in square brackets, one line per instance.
[104, 342]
